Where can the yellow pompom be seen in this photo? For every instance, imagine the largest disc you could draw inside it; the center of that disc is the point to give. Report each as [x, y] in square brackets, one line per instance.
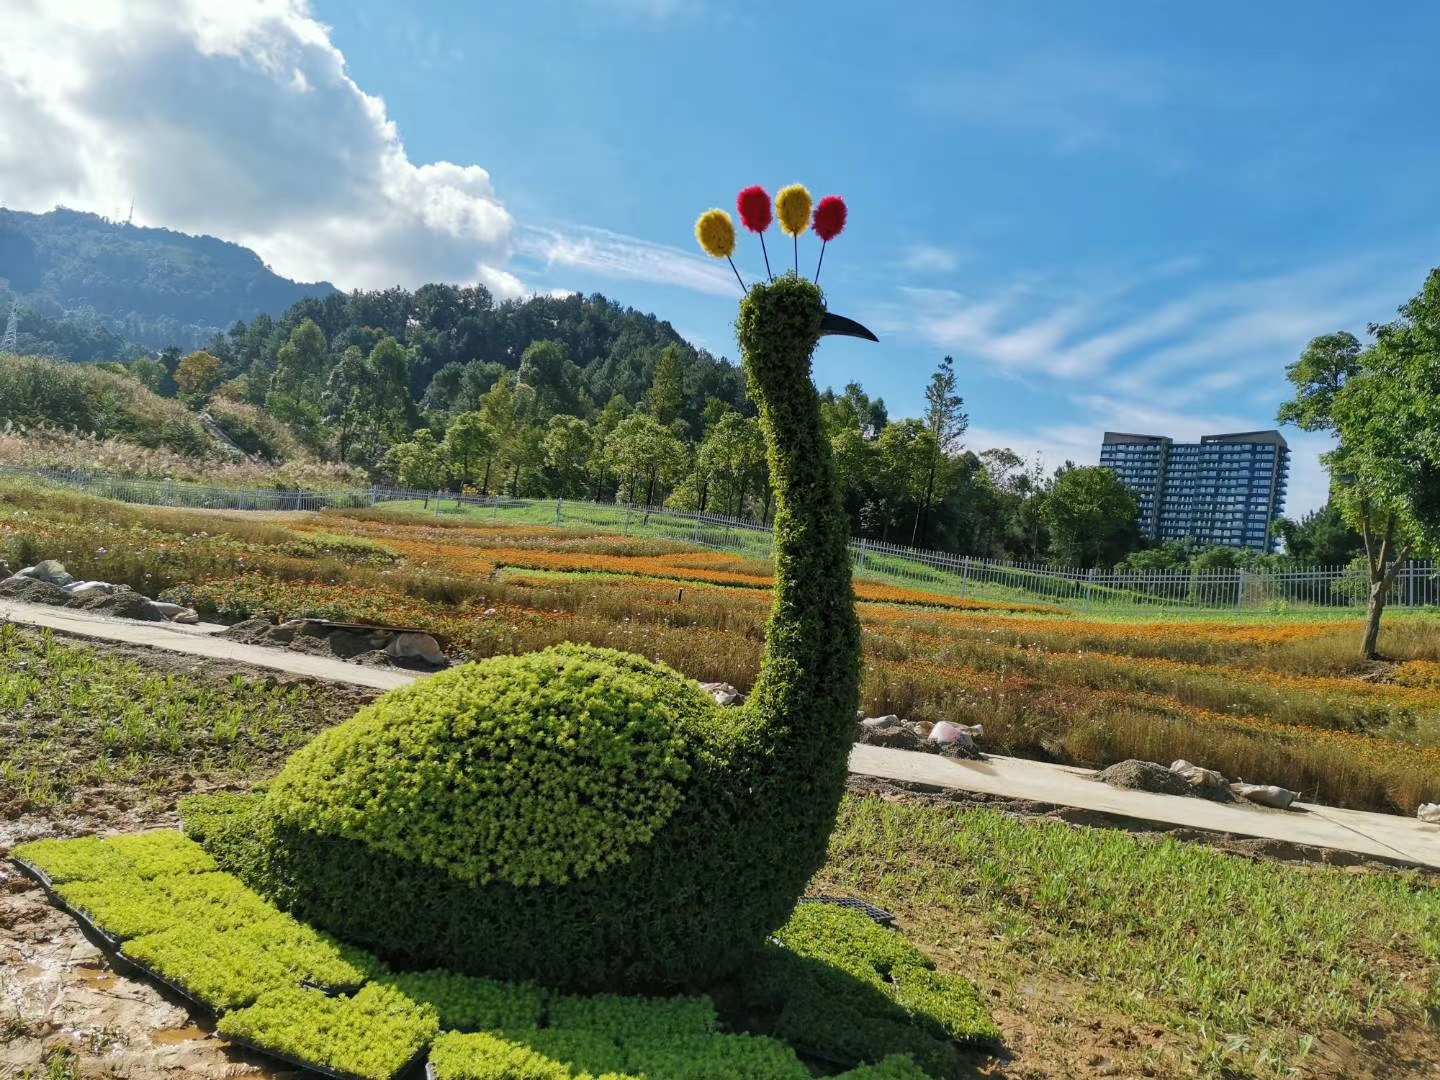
[716, 233]
[792, 207]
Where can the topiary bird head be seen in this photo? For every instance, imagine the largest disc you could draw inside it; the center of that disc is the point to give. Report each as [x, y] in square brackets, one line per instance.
[797, 214]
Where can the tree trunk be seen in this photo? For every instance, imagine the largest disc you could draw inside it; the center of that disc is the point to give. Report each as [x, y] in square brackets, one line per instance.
[515, 482]
[924, 514]
[485, 484]
[1373, 610]
[704, 494]
[650, 491]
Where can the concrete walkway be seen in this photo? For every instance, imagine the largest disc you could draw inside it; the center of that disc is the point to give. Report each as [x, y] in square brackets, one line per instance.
[1387, 836]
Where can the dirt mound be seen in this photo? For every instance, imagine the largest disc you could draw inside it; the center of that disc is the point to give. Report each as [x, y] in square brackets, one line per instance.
[32, 591]
[123, 603]
[1136, 775]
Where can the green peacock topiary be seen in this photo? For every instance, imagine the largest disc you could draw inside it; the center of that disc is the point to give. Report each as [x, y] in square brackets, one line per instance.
[581, 817]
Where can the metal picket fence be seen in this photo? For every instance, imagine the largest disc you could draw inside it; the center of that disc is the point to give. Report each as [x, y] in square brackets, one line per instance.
[1417, 585]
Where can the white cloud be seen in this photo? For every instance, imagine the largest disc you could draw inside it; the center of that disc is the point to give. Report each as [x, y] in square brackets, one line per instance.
[235, 118]
[1074, 99]
[612, 255]
[929, 259]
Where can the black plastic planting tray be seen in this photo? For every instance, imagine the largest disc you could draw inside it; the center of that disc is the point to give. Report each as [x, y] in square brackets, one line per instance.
[415, 1067]
[870, 911]
[113, 948]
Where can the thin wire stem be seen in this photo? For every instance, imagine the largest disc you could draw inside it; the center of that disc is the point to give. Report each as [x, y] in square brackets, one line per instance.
[796, 238]
[731, 261]
[823, 245]
[767, 257]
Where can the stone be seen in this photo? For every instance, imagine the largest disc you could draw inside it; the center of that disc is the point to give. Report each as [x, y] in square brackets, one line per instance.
[881, 723]
[415, 647]
[1266, 794]
[1429, 813]
[168, 609]
[723, 693]
[123, 603]
[51, 570]
[923, 728]
[30, 590]
[80, 589]
[896, 738]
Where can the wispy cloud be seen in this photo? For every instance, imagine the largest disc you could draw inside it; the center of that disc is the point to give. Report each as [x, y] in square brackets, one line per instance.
[1075, 99]
[616, 256]
[929, 259]
[651, 9]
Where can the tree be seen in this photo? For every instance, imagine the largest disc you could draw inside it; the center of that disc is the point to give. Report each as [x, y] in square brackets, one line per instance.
[1381, 404]
[666, 392]
[1092, 517]
[643, 454]
[468, 442]
[729, 461]
[1321, 538]
[568, 447]
[418, 463]
[197, 374]
[946, 423]
[301, 362]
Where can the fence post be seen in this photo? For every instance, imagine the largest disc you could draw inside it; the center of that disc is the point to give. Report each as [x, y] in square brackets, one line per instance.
[557, 511]
[1089, 588]
[1239, 588]
[627, 519]
[964, 575]
[695, 532]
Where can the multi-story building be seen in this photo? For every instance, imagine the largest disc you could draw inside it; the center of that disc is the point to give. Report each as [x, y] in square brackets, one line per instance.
[1225, 489]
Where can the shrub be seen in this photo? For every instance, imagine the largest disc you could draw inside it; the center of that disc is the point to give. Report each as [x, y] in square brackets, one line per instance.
[466, 1003]
[528, 769]
[701, 1057]
[92, 401]
[633, 1017]
[837, 984]
[254, 431]
[372, 1035]
[585, 818]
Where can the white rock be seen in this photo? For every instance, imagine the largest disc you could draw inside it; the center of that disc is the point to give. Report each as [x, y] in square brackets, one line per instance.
[723, 693]
[1266, 794]
[1429, 813]
[415, 647]
[881, 723]
[89, 588]
[173, 612]
[51, 570]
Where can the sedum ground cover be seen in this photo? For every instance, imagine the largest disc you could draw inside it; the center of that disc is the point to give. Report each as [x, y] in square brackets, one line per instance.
[284, 988]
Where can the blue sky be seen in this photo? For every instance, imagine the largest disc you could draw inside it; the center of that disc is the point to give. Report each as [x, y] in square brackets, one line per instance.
[1113, 215]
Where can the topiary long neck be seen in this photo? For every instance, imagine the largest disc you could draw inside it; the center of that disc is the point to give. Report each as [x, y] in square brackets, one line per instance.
[803, 704]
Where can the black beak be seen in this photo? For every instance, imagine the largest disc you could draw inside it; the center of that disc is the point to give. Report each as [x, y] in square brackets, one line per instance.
[843, 327]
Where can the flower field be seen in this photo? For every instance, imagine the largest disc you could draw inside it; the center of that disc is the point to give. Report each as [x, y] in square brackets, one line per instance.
[1280, 701]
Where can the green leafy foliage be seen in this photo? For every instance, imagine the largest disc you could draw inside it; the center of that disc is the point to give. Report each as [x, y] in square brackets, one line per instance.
[634, 1017]
[489, 1057]
[231, 968]
[371, 1035]
[839, 985]
[580, 817]
[524, 769]
[143, 855]
[467, 1003]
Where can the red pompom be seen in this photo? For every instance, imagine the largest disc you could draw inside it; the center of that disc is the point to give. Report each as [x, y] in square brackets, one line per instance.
[756, 210]
[829, 219]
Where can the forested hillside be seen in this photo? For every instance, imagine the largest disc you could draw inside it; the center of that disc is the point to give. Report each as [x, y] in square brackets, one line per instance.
[88, 287]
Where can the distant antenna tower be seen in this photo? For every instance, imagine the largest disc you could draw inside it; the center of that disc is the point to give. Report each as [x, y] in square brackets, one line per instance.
[12, 330]
[130, 216]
